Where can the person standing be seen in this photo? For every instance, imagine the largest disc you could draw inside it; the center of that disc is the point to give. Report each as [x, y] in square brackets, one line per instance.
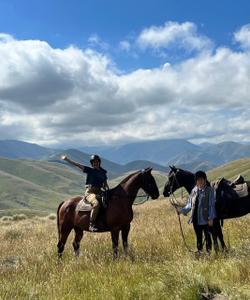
[201, 203]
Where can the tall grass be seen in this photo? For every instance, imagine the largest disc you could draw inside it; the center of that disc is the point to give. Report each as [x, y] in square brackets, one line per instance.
[157, 267]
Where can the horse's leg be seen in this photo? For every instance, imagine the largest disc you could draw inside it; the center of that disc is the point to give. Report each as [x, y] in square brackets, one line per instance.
[115, 239]
[64, 233]
[125, 232]
[215, 240]
[219, 233]
[77, 240]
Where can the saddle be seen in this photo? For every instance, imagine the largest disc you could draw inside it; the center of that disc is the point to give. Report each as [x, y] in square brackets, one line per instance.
[85, 205]
[238, 187]
[229, 195]
[237, 181]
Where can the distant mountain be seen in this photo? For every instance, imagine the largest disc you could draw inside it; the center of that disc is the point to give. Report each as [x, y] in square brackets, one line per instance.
[159, 151]
[177, 151]
[227, 151]
[133, 156]
[83, 158]
[113, 169]
[18, 149]
[143, 164]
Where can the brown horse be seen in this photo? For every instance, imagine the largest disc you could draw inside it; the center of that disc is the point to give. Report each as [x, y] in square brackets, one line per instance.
[115, 218]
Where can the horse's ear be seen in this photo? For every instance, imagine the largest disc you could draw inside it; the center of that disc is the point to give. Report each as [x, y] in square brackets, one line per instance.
[148, 170]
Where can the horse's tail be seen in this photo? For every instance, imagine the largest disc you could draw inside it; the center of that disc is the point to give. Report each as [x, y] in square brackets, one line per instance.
[58, 228]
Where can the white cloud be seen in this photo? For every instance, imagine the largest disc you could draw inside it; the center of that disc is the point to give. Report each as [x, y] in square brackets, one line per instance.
[182, 35]
[4, 37]
[95, 41]
[125, 45]
[242, 36]
[68, 96]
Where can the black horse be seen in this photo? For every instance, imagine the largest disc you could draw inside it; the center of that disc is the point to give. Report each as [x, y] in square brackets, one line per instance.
[178, 178]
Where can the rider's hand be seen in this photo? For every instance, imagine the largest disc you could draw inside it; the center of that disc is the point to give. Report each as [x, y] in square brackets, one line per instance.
[210, 222]
[64, 157]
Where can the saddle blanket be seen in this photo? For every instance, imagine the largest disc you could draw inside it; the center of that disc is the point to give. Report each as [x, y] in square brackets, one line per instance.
[241, 189]
[84, 205]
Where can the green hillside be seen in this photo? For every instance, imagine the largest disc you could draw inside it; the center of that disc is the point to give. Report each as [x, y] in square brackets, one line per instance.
[35, 185]
[40, 186]
[232, 169]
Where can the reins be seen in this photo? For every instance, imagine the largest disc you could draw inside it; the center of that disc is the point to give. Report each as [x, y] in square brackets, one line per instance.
[173, 202]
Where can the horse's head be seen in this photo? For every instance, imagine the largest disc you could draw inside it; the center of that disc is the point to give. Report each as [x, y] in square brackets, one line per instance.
[148, 183]
[176, 179]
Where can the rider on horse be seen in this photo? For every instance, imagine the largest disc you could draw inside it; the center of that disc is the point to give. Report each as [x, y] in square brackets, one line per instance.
[96, 181]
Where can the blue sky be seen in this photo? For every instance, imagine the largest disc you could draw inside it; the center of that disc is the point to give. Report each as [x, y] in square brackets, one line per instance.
[118, 71]
[62, 23]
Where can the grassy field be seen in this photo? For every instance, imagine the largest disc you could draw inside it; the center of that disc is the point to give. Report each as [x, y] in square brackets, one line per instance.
[157, 267]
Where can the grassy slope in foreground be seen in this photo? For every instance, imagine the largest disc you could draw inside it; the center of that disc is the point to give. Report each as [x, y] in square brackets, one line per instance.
[157, 267]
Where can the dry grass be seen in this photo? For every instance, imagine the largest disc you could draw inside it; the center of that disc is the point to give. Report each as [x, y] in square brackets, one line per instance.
[158, 266]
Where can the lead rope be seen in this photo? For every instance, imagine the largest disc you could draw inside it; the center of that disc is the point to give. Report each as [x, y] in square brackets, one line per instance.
[173, 201]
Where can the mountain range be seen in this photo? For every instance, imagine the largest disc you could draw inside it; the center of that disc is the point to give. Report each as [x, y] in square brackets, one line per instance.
[158, 154]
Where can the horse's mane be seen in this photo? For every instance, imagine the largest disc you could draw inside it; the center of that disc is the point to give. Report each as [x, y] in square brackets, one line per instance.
[186, 171]
[124, 181]
[182, 170]
[128, 177]
[190, 173]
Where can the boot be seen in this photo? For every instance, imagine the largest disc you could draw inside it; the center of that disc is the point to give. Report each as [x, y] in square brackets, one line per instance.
[92, 227]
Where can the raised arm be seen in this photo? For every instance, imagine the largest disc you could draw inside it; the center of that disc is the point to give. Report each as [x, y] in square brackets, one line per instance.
[81, 167]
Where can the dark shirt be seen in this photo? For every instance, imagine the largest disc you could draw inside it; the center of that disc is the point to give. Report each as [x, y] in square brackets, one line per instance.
[95, 178]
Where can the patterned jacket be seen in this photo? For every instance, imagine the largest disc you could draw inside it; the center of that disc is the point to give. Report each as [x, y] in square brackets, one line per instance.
[206, 206]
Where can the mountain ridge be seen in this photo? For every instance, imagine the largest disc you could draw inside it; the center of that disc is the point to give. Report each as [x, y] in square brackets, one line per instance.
[142, 154]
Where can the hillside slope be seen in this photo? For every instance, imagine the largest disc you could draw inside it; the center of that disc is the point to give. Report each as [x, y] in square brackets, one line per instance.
[42, 185]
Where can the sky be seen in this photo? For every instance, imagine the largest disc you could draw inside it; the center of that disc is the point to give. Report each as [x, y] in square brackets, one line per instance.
[86, 73]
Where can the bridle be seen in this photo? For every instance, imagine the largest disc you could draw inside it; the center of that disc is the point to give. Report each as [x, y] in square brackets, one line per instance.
[142, 196]
[173, 199]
